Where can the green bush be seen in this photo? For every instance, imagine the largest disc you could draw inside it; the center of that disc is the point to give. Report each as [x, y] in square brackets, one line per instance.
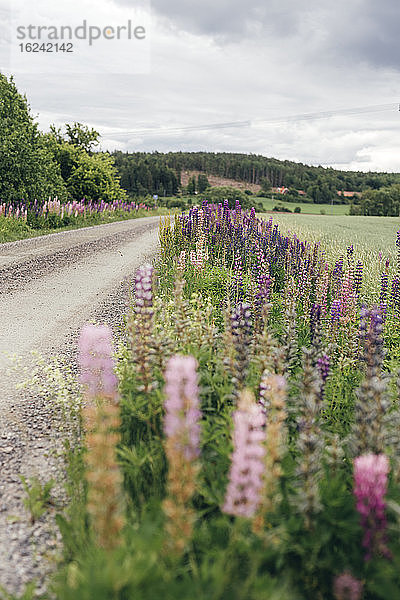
[177, 203]
[86, 175]
[281, 208]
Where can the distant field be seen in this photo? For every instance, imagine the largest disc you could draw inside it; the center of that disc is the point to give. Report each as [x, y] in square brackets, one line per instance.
[314, 209]
[369, 235]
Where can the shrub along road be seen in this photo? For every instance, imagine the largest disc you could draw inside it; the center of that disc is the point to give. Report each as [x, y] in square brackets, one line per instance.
[49, 287]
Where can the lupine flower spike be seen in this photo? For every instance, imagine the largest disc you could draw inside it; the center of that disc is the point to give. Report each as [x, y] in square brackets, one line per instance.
[101, 416]
[243, 494]
[347, 587]
[370, 486]
[141, 327]
[273, 400]
[182, 431]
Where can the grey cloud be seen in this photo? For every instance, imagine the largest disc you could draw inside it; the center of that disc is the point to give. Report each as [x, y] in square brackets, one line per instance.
[229, 19]
[346, 31]
[360, 32]
[374, 35]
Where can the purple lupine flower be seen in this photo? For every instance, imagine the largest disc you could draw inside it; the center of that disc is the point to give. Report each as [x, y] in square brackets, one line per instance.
[358, 273]
[383, 293]
[335, 312]
[182, 412]
[243, 494]
[350, 253]
[395, 294]
[370, 486]
[371, 338]
[263, 293]
[323, 364]
[347, 587]
[237, 291]
[242, 330]
[315, 320]
[398, 252]
[96, 362]
[144, 287]
[337, 273]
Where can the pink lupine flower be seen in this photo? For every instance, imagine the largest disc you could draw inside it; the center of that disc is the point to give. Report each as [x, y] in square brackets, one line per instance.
[181, 261]
[97, 364]
[182, 413]
[348, 298]
[144, 287]
[370, 486]
[347, 587]
[247, 466]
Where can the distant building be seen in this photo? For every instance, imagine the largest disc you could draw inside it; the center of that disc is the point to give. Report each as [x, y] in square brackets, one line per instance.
[348, 194]
[280, 190]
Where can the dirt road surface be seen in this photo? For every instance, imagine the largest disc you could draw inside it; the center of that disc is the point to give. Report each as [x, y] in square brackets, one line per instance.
[49, 287]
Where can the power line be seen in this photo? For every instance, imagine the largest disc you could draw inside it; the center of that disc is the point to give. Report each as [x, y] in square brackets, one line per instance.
[249, 123]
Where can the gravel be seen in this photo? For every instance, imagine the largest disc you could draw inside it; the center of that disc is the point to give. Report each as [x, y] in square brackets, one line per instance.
[49, 287]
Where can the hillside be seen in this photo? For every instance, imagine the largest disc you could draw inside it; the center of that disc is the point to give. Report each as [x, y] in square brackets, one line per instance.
[163, 174]
[217, 181]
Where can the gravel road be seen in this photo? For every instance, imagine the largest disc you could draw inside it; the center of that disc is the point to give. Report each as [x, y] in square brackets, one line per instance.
[49, 287]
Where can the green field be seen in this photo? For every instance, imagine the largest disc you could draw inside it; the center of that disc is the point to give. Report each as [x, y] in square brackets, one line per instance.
[307, 208]
[370, 236]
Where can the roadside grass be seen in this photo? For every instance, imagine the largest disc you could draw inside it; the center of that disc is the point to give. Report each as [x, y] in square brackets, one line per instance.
[12, 229]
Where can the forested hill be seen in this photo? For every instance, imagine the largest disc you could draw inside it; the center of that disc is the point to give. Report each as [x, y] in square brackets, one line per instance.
[160, 173]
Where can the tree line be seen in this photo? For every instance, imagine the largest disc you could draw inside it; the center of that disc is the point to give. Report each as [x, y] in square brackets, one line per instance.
[160, 173]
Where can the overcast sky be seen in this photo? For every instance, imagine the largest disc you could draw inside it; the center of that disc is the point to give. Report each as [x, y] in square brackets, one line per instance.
[219, 61]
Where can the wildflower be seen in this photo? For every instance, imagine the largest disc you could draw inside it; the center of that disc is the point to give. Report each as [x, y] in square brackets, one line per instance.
[144, 288]
[371, 330]
[335, 313]
[370, 486]
[369, 432]
[181, 261]
[182, 430]
[395, 295]
[243, 494]
[262, 296]
[347, 587]
[242, 329]
[323, 364]
[102, 423]
[358, 275]
[398, 252]
[310, 441]
[237, 291]
[348, 298]
[96, 362]
[273, 400]
[383, 293]
[141, 327]
[182, 405]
